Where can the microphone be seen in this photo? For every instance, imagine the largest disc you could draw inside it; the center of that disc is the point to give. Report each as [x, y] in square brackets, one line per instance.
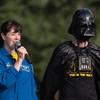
[18, 45]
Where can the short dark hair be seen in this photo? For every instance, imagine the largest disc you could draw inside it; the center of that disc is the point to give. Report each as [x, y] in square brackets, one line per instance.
[6, 27]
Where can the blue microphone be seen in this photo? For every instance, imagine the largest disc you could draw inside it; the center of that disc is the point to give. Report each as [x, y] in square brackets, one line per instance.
[18, 45]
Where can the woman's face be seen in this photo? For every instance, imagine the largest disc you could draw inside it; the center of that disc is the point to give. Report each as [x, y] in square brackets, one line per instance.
[10, 39]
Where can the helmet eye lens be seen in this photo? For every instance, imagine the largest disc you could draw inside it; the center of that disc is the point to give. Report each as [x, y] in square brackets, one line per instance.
[81, 28]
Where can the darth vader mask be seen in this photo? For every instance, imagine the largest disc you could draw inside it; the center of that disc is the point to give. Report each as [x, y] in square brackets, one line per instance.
[82, 25]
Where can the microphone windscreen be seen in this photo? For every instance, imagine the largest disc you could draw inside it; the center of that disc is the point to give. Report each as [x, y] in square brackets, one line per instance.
[18, 44]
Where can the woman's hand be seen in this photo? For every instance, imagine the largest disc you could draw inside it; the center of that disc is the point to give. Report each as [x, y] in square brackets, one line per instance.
[21, 53]
[21, 56]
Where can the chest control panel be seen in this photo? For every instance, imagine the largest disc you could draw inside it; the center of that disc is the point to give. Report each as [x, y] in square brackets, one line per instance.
[84, 63]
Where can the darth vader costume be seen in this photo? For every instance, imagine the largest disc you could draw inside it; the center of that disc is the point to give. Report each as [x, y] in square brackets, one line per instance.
[63, 72]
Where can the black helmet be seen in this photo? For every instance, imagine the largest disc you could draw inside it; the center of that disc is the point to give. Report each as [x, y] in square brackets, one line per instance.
[82, 25]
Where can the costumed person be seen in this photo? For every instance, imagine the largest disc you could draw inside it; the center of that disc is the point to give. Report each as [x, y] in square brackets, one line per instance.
[74, 68]
[17, 81]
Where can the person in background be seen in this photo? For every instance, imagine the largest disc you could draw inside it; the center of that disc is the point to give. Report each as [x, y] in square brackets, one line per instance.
[73, 72]
[17, 80]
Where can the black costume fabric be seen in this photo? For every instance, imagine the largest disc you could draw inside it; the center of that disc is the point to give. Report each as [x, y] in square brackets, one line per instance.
[62, 74]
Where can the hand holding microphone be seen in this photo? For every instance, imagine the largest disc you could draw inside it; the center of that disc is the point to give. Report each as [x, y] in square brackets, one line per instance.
[20, 48]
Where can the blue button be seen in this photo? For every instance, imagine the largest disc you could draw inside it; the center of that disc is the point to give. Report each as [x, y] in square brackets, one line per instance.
[87, 58]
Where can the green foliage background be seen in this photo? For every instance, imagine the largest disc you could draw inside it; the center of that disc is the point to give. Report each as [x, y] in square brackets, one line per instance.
[45, 24]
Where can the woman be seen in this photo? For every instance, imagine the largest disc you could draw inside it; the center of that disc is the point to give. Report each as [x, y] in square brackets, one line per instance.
[17, 80]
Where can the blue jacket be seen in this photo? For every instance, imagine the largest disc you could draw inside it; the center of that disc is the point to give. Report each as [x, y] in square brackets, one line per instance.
[16, 85]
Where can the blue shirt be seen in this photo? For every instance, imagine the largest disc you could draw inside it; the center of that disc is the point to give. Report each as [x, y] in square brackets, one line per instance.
[16, 85]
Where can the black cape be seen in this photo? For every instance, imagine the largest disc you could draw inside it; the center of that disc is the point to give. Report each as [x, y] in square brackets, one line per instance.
[64, 54]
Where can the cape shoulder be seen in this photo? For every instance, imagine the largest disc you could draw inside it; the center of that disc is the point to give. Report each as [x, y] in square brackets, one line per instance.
[94, 51]
[64, 49]
[94, 46]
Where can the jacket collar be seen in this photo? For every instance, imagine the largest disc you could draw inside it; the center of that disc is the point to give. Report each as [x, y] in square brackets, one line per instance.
[4, 51]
